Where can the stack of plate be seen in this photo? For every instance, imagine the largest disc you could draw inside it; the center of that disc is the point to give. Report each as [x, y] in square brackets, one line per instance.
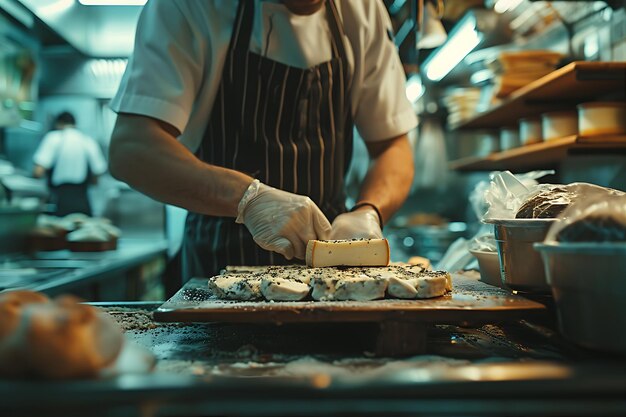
[515, 69]
[461, 103]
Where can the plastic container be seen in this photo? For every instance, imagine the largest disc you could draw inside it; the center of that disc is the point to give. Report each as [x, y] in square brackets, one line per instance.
[589, 288]
[530, 131]
[509, 138]
[489, 265]
[521, 267]
[556, 125]
[602, 118]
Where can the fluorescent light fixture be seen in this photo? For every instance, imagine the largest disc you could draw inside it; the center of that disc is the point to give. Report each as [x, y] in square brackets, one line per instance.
[414, 88]
[461, 41]
[55, 7]
[107, 67]
[112, 2]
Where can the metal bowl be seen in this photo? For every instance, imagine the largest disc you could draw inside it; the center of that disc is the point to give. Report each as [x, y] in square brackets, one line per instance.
[489, 267]
[589, 287]
[521, 267]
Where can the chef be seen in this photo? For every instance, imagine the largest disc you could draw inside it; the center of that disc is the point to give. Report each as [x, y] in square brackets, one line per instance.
[72, 161]
[242, 112]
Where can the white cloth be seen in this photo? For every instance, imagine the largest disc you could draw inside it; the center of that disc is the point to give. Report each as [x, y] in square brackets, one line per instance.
[180, 48]
[69, 152]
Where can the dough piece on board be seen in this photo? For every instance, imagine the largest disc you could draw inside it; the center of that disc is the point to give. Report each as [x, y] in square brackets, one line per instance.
[323, 288]
[283, 289]
[360, 288]
[439, 274]
[241, 287]
[413, 288]
[357, 252]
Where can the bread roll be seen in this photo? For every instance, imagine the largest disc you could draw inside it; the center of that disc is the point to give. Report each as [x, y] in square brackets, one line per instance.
[54, 339]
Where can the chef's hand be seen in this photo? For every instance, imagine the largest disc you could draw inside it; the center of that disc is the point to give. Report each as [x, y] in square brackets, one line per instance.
[362, 223]
[280, 221]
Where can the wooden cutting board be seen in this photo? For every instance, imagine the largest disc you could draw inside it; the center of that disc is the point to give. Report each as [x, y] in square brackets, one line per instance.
[471, 302]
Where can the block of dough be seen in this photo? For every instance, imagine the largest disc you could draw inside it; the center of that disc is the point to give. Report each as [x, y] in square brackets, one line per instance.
[413, 288]
[356, 252]
[283, 289]
[360, 288]
[241, 287]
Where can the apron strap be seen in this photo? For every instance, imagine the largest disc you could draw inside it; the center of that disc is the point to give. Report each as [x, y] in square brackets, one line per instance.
[242, 29]
[336, 28]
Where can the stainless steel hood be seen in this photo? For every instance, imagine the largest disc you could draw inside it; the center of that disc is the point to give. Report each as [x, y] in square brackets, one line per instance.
[96, 31]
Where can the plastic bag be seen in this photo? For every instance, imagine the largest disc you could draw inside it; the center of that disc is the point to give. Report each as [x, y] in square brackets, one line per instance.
[507, 192]
[548, 201]
[499, 197]
[600, 217]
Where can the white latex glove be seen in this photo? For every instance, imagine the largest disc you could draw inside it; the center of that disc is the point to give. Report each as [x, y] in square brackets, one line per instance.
[359, 224]
[280, 221]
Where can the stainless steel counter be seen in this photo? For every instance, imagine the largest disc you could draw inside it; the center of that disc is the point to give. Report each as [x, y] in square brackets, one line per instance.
[522, 369]
[63, 271]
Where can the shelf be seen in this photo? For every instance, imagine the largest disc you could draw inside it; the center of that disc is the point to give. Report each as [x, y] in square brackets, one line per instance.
[540, 155]
[561, 89]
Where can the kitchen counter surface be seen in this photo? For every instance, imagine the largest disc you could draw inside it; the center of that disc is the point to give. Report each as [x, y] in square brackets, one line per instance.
[521, 369]
[60, 271]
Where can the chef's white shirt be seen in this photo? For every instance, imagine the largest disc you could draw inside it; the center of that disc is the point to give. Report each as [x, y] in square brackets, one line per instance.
[69, 152]
[181, 45]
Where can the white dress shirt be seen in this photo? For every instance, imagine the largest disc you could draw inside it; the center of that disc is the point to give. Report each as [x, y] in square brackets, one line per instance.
[69, 152]
[181, 45]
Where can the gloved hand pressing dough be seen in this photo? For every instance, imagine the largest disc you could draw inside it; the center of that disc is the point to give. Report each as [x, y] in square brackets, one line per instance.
[360, 224]
[280, 221]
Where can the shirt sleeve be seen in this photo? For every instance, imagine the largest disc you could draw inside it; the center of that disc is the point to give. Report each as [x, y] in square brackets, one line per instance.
[97, 163]
[46, 153]
[382, 110]
[166, 68]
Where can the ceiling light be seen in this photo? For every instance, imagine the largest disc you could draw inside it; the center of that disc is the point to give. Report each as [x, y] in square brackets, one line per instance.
[112, 2]
[502, 6]
[461, 41]
[432, 33]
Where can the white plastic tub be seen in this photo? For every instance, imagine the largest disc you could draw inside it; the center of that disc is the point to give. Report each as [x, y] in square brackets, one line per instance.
[530, 131]
[556, 125]
[602, 118]
[489, 265]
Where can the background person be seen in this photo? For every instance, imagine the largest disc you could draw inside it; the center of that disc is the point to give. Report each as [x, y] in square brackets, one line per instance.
[72, 161]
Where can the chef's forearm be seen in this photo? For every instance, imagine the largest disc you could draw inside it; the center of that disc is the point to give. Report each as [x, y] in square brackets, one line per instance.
[151, 160]
[389, 179]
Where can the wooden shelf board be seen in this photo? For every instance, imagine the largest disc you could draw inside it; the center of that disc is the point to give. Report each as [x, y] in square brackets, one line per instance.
[539, 155]
[574, 83]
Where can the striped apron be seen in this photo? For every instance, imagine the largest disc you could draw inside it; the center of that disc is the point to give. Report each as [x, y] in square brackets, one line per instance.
[291, 128]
